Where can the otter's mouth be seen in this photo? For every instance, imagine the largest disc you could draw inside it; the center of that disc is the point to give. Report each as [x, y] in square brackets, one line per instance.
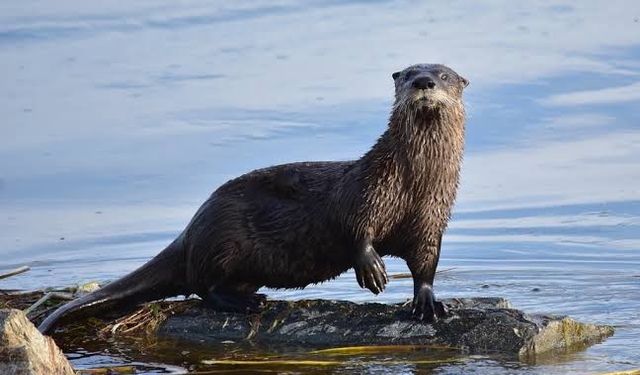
[424, 100]
[430, 99]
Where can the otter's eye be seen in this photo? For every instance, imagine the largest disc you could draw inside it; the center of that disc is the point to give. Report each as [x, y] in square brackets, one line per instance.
[444, 77]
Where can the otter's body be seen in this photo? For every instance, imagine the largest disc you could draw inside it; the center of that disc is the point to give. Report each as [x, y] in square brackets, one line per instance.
[256, 231]
[292, 225]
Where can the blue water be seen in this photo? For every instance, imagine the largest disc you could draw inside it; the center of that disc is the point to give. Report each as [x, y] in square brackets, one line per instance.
[119, 119]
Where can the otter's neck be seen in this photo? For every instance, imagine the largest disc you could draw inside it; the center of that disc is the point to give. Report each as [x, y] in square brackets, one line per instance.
[413, 169]
[425, 146]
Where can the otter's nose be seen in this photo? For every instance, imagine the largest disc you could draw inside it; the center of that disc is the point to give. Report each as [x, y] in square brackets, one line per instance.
[424, 83]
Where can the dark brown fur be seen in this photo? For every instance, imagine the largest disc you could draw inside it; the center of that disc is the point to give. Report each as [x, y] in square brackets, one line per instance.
[292, 225]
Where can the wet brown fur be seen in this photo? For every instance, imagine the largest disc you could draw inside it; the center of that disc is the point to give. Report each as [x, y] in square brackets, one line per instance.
[292, 225]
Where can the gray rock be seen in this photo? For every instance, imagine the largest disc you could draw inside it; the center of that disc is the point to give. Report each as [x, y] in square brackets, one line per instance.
[25, 351]
[475, 325]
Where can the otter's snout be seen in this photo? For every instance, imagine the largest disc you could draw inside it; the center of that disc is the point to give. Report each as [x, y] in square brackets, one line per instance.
[424, 83]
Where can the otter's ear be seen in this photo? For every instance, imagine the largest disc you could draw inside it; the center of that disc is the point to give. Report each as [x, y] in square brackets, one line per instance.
[465, 82]
[395, 75]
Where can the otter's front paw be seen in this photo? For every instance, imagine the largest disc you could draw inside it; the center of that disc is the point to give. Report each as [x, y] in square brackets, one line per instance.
[425, 306]
[370, 270]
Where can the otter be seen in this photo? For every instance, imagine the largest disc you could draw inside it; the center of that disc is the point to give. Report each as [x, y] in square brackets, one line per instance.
[288, 226]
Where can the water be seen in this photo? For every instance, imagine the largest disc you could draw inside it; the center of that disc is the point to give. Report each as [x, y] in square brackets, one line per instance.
[119, 119]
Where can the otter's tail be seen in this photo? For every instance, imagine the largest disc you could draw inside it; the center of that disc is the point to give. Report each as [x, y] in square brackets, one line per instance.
[161, 277]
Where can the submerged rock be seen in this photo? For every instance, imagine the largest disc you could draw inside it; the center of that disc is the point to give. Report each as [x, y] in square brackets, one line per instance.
[24, 350]
[475, 325]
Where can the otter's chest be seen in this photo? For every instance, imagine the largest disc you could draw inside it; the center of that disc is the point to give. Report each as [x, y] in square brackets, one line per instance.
[427, 195]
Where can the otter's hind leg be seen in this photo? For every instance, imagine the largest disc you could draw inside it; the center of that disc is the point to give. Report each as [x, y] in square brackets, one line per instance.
[235, 299]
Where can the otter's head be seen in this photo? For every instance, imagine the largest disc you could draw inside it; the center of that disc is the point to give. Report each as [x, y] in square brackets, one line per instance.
[428, 86]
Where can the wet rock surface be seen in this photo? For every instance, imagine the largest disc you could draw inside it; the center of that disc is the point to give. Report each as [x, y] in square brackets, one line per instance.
[475, 325]
[23, 350]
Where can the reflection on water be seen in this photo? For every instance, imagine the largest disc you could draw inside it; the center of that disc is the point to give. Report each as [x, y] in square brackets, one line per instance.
[118, 120]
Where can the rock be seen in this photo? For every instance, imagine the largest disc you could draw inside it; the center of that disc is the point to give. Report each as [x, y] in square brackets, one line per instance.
[87, 288]
[475, 325]
[24, 350]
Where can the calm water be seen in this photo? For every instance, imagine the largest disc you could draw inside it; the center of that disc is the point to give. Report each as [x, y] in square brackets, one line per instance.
[119, 119]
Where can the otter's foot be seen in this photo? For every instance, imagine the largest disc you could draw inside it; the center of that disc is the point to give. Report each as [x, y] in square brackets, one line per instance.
[240, 303]
[370, 270]
[425, 306]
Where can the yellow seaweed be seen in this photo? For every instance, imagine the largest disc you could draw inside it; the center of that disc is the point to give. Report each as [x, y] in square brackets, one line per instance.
[368, 349]
[625, 372]
[309, 362]
[271, 362]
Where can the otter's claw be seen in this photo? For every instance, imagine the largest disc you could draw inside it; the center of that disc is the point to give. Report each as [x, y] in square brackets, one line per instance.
[370, 270]
[425, 306]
